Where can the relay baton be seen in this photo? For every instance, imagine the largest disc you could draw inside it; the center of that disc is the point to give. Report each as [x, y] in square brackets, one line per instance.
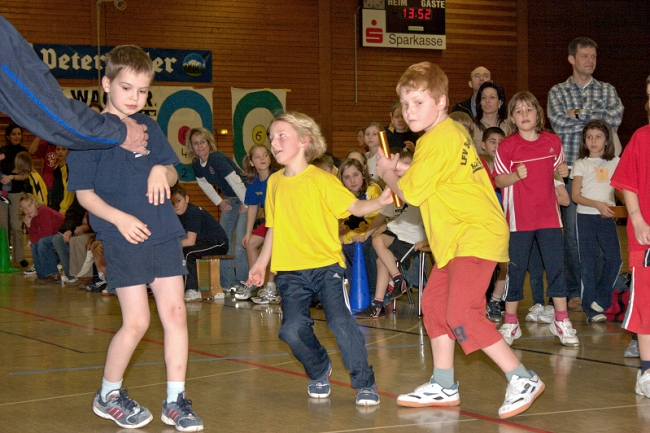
[383, 142]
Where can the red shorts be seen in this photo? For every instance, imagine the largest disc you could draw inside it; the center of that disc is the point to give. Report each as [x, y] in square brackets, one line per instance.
[637, 316]
[453, 303]
[260, 230]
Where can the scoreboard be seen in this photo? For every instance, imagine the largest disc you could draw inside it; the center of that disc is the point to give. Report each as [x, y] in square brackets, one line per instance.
[418, 24]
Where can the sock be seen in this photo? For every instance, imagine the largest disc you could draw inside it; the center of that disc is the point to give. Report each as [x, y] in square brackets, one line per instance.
[561, 315]
[511, 318]
[495, 298]
[101, 276]
[443, 377]
[173, 389]
[107, 387]
[379, 302]
[519, 371]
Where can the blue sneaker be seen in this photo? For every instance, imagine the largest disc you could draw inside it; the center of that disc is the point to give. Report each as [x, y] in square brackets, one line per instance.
[120, 408]
[179, 413]
[320, 388]
[368, 396]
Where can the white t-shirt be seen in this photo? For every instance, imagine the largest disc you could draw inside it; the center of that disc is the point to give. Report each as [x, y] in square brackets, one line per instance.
[596, 173]
[407, 226]
[372, 166]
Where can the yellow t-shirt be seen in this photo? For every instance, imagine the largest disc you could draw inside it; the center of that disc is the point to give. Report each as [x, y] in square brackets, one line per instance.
[462, 216]
[373, 191]
[304, 212]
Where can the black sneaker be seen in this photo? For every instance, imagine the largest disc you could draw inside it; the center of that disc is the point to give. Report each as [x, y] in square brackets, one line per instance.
[96, 287]
[5, 200]
[494, 311]
[374, 310]
[399, 287]
[24, 263]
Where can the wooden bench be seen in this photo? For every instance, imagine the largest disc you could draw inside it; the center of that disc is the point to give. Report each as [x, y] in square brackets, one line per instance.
[212, 288]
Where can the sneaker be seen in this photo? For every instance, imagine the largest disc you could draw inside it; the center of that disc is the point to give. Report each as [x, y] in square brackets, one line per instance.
[632, 350]
[30, 271]
[320, 388]
[400, 286]
[179, 413]
[246, 293]
[367, 396]
[373, 310]
[266, 295]
[96, 287]
[548, 315]
[510, 332]
[192, 295]
[597, 308]
[534, 312]
[236, 288]
[520, 395]
[120, 408]
[597, 318]
[24, 263]
[643, 383]
[493, 311]
[565, 332]
[430, 394]
[52, 279]
[5, 200]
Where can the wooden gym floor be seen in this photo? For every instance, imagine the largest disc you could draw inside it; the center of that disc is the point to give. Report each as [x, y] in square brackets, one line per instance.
[242, 378]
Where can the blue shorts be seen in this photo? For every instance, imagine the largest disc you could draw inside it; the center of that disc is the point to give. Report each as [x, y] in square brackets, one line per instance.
[128, 265]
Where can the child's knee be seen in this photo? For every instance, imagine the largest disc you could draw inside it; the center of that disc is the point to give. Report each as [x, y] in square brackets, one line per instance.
[292, 332]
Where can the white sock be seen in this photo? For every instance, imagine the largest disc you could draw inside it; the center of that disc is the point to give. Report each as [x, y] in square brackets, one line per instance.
[107, 387]
[173, 389]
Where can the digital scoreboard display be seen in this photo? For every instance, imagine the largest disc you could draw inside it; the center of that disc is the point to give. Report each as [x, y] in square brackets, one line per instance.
[410, 16]
[418, 24]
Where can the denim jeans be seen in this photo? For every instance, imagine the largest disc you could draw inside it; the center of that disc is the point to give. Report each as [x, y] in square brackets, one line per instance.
[596, 234]
[63, 251]
[45, 258]
[571, 257]
[550, 246]
[536, 271]
[297, 289]
[234, 223]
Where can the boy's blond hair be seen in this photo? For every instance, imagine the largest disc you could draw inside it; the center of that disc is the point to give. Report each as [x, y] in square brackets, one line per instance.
[424, 76]
[31, 199]
[305, 127]
[204, 134]
[529, 99]
[464, 119]
[23, 163]
[129, 57]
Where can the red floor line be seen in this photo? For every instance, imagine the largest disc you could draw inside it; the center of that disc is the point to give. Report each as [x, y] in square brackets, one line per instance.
[270, 367]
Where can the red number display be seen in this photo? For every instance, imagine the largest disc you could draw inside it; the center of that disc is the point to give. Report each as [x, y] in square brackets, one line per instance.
[422, 14]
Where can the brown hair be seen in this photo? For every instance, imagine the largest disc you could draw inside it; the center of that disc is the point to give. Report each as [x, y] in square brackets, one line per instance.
[178, 189]
[251, 172]
[425, 76]
[23, 163]
[351, 162]
[581, 42]
[529, 99]
[602, 126]
[129, 57]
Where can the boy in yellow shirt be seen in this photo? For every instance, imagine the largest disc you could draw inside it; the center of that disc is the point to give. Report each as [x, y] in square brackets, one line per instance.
[468, 236]
[303, 207]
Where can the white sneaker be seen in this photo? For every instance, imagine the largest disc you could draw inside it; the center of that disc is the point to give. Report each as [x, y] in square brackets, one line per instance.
[548, 315]
[430, 394]
[510, 332]
[534, 312]
[597, 308]
[246, 293]
[643, 384]
[192, 295]
[266, 295]
[565, 332]
[632, 350]
[30, 271]
[597, 318]
[520, 395]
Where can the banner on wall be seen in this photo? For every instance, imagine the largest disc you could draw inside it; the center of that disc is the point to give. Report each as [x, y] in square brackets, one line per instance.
[82, 61]
[177, 109]
[252, 111]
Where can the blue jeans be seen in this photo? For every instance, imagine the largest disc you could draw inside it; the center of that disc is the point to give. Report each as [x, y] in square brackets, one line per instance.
[571, 257]
[63, 251]
[550, 247]
[297, 288]
[596, 234]
[45, 259]
[234, 223]
[536, 271]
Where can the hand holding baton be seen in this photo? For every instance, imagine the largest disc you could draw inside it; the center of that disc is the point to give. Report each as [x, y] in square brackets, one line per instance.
[383, 143]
